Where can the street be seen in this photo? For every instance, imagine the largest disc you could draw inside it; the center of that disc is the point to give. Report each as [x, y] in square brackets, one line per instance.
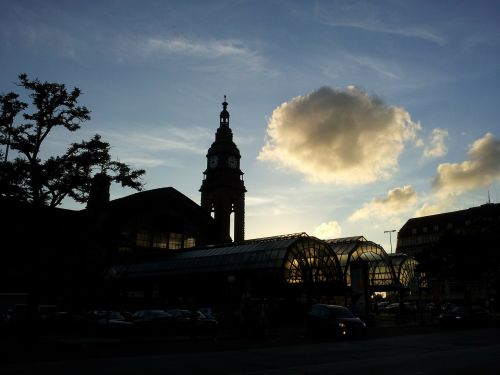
[443, 352]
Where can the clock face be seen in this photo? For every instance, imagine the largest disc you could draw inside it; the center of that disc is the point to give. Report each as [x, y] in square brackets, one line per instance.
[232, 161]
[212, 162]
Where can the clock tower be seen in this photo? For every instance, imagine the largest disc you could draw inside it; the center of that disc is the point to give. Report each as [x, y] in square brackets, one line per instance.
[223, 190]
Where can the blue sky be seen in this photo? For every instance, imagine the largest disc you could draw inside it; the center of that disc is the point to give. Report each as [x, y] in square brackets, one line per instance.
[351, 116]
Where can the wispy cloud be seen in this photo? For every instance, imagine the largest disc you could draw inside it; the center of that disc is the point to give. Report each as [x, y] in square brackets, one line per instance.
[413, 32]
[212, 51]
[205, 49]
[150, 147]
[154, 143]
[272, 205]
[365, 17]
[145, 162]
[382, 68]
[37, 36]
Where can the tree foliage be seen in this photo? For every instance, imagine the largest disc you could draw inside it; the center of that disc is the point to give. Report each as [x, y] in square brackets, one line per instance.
[29, 177]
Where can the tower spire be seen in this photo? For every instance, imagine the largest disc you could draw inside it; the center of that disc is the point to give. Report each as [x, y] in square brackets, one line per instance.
[224, 115]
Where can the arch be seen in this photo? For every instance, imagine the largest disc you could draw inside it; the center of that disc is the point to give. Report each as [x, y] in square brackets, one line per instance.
[289, 259]
[311, 261]
[380, 271]
[405, 270]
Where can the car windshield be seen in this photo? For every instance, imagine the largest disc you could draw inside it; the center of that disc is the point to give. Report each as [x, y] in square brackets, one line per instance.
[340, 312]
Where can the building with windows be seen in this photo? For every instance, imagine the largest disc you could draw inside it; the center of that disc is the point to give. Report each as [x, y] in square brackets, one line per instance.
[457, 251]
[420, 234]
[61, 255]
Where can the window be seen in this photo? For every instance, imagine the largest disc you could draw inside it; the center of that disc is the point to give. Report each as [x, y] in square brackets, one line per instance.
[143, 238]
[189, 242]
[175, 241]
[160, 240]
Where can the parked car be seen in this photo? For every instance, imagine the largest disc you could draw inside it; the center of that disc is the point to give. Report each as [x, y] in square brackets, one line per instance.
[153, 321]
[108, 321]
[334, 320]
[42, 317]
[382, 305]
[465, 316]
[183, 321]
[393, 308]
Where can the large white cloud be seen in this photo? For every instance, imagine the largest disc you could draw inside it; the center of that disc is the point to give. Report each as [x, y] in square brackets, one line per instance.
[398, 200]
[481, 169]
[338, 136]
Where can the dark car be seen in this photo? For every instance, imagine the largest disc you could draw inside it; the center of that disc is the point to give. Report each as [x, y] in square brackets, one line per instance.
[465, 316]
[153, 321]
[334, 320]
[106, 321]
[398, 308]
[184, 321]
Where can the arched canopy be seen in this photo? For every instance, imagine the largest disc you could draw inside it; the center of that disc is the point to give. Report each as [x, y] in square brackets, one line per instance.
[350, 249]
[404, 267]
[311, 261]
[294, 259]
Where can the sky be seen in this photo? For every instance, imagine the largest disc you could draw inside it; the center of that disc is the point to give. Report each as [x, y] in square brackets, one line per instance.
[351, 116]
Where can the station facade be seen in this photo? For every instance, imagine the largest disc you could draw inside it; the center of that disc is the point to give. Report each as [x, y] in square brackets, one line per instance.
[158, 245]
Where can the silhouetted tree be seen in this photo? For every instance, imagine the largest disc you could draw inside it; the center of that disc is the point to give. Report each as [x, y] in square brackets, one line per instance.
[28, 177]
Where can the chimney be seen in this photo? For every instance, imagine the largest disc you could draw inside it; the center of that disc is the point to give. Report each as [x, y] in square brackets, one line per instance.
[99, 191]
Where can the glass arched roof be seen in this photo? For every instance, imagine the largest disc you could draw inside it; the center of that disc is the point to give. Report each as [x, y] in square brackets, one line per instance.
[298, 258]
[294, 259]
[350, 249]
[404, 268]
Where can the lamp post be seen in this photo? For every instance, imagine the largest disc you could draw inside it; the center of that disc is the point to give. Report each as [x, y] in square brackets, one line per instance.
[390, 236]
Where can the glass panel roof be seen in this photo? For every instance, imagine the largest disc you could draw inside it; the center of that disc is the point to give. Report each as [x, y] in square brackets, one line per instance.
[267, 253]
[298, 258]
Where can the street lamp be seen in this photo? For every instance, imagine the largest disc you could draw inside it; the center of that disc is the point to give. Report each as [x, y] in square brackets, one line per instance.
[390, 237]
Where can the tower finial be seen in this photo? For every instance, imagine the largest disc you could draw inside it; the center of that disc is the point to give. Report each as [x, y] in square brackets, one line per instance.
[224, 115]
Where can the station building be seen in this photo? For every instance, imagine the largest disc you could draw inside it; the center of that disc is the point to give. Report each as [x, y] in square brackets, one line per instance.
[157, 246]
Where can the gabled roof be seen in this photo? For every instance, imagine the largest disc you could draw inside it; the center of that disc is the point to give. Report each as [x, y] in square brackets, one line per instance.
[155, 197]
